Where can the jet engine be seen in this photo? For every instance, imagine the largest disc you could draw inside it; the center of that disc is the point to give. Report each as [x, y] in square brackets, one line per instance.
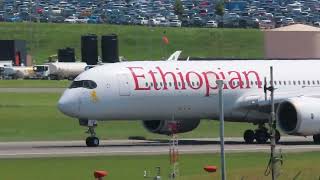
[163, 126]
[299, 116]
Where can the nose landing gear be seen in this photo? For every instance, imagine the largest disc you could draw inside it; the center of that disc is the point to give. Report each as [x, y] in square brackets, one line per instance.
[92, 140]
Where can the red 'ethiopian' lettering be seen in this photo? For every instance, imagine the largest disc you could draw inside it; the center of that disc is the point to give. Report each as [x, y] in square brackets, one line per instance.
[246, 76]
[194, 80]
[163, 76]
[135, 78]
[191, 84]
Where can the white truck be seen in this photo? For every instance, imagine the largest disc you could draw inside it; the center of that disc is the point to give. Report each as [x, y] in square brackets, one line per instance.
[65, 70]
[41, 71]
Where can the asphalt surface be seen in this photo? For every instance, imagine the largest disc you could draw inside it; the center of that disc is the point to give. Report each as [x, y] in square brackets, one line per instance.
[148, 147]
[32, 90]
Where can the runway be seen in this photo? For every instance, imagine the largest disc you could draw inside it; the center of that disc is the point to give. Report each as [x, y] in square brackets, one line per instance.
[144, 147]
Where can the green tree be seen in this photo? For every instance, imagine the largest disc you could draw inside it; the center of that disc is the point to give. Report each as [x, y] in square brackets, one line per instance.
[178, 8]
[219, 10]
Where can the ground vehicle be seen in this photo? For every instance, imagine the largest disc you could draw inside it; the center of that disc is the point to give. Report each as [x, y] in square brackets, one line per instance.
[71, 19]
[141, 21]
[164, 23]
[154, 22]
[175, 23]
[288, 21]
[18, 72]
[41, 71]
[82, 20]
[317, 24]
[212, 24]
[65, 70]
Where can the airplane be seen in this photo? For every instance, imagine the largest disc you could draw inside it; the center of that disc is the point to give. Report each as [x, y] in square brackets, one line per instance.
[159, 92]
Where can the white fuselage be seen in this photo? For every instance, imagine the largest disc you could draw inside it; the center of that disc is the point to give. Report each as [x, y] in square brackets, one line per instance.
[163, 90]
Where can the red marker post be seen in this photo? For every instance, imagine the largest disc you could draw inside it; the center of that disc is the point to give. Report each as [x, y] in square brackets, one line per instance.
[210, 169]
[100, 174]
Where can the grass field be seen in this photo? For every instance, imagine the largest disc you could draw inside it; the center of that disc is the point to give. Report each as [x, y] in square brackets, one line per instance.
[34, 84]
[242, 165]
[137, 42]
[29, 116]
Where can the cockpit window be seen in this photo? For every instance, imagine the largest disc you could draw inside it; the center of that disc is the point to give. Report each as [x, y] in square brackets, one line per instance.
[88, 84]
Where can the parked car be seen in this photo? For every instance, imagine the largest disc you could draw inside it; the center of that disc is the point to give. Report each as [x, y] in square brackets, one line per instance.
[164, 23]
[154, 22]
[82, 19]
[212, 24]
[94, 20]
[141, 21]
[175, 23]
[71, 19]
[288, 21]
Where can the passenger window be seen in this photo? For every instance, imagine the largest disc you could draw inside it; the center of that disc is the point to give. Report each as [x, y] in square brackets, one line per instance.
[318, 82]
[275, 82]
[179, 84]
[160, 83]
[284, 83]
[294, 82]
[279, 82]
[170, 84]
[289, 82]
[308, 82]
[151, 84]
[303, 82]
[313, 83]
[146, 84]
[298, 82]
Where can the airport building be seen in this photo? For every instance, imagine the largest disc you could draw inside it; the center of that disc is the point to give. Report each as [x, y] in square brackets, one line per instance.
[292, 42]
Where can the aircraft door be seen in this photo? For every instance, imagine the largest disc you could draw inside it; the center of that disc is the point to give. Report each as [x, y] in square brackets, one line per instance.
[124, 85]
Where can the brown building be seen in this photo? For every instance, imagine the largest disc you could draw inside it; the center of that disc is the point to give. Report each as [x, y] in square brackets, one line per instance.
[292, 42]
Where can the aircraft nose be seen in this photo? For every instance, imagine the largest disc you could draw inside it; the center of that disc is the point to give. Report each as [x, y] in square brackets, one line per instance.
[68, 105]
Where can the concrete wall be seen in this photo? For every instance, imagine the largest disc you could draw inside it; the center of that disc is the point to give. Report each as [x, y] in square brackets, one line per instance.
[292, 44]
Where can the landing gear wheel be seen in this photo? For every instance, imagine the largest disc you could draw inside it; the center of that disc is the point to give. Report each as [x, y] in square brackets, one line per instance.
[278, 136]
[261, 136]
[92, 141]
[316, 138]
[248, 136]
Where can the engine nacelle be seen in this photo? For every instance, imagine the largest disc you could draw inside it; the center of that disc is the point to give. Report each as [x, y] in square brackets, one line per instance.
[299, 116]
[163, 127]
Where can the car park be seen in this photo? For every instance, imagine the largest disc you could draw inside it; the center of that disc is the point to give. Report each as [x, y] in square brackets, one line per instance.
[159, 13]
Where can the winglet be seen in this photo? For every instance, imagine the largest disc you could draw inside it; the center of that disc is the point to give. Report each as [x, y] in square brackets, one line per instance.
[174, 56]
